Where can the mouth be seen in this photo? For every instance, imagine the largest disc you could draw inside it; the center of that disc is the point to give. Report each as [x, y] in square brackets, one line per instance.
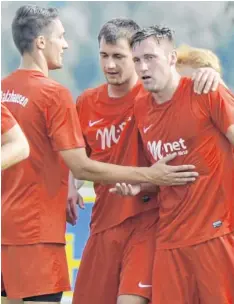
[146, 78]
[112, 73]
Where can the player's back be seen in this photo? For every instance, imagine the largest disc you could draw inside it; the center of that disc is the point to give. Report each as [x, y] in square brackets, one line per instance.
[34, 191]
[109, 128]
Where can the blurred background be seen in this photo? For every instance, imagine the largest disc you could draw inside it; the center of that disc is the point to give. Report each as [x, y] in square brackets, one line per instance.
[205, 24]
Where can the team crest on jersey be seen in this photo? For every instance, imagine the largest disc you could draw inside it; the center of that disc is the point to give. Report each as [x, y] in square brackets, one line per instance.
[159, 149]
[110, 135]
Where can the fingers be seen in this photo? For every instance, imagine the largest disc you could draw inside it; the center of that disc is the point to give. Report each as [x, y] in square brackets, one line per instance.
[167, 158]
[131, 190]
[73, 209]
[202, 82]
[206, 80]
[113, 190]
[182, 168]
[69, 216]
[118, 189]
[80, 201]
[122, 189]
[182, 178]
[196, 77]
[216, 82]
[212, 81]
[208, 84]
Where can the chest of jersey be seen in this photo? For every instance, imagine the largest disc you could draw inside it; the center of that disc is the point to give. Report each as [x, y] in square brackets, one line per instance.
[177, 127]
[104, 133]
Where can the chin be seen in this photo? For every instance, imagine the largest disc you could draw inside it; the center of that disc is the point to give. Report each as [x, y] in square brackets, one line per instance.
[114, 81]
[55, 66]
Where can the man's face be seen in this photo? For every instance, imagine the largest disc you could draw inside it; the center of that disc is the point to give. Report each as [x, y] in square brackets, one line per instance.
[55, 44]
[116, 61]
[153, 63]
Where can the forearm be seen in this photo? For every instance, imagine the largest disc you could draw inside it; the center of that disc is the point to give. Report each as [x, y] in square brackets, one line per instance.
[12, 153]
[109, 173]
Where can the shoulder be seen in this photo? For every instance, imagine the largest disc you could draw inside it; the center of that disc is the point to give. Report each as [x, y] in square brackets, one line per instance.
[222, 94]
[142, 100]
[90, 96]
[54, 92]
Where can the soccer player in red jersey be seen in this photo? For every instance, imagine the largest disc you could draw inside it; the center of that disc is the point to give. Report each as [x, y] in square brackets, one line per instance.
[194, 237]
[117, 261]
[34, 192]
[14, 145]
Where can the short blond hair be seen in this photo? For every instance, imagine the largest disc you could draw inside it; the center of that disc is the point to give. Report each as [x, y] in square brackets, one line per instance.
[197, 58]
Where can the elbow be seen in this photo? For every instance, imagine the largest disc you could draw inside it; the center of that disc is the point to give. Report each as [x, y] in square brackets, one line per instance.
[81, 171]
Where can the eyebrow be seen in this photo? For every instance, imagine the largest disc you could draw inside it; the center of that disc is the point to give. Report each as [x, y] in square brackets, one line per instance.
[114, 54]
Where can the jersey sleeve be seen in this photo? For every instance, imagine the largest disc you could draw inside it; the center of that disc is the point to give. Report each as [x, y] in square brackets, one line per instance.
[7, 119]
[63, 125]
[220, 106]
[79, 108]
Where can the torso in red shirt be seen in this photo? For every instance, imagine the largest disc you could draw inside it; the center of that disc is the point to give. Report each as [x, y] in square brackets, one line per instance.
[194, 126]
[7, 120]
[109, 129]
[34, 192]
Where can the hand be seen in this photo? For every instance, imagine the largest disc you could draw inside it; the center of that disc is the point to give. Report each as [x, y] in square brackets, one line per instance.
[205, 80]
[126, 189]
[74, 199]
[162, 174]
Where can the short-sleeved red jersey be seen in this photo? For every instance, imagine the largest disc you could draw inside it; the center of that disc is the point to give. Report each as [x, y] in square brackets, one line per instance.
[34, 192]
[7, 120]
[194, 126]
[111, 135]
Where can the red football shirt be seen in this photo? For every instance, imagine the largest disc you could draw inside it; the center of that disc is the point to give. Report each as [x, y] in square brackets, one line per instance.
[34, 192]
[111, 136]
[194, 126]
[7, 120]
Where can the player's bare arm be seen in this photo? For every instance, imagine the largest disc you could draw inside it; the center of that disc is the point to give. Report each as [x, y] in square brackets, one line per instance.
[14, 147]
[160, 174]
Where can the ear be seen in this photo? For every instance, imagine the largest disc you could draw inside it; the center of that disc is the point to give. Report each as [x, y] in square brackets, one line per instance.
[173, 57]
[40, 42]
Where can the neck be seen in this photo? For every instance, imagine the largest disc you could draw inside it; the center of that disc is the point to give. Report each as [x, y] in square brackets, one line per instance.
[31, 62]
[117, 91]
[167, 92]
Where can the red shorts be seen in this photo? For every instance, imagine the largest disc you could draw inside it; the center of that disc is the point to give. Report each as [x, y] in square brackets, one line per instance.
[118, 261]
[32, 270]
[202, 273]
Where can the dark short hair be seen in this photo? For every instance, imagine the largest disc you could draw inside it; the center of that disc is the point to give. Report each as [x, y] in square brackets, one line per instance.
[29, 22]
[118, 28]
[155, 31]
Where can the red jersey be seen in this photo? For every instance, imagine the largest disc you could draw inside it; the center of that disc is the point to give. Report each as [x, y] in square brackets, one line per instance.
[111, 136]
[7, 120]
[34, 192]
[194, 126]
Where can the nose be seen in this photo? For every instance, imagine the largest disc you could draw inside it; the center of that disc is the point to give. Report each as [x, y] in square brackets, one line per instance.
[143, 67]
[65, 44]
[110, 63]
